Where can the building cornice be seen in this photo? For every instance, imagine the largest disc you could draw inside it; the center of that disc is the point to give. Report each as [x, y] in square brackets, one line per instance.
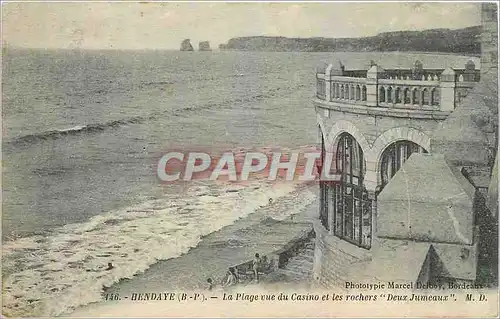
[381, 111]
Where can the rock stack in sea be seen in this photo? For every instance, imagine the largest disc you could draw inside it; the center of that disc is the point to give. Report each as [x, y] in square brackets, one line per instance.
[186, 45]
[204, 46]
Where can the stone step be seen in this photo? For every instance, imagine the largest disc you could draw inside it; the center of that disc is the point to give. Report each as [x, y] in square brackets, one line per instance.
[292, 276]
[303, 264]
[308, 254]
[300, 263]
[293, 273]
[300, 259]
[308, 258]
[299, 269]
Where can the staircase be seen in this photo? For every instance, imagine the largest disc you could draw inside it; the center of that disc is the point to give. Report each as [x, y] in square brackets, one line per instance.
[299, 267]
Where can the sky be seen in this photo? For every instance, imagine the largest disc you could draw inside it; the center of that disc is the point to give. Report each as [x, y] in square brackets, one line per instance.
[155, 25]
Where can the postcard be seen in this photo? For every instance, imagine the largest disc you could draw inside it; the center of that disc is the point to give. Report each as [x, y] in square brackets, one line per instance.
[249, 159]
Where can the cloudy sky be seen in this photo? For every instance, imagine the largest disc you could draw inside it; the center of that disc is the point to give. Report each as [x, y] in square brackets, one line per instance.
[143, 25]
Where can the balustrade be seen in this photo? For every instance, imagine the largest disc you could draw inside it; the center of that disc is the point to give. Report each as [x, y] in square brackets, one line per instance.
[421, 89]
[347, 89]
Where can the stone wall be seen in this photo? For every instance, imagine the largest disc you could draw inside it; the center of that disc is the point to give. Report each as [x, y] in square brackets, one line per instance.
[375, 126]
[333, 258]
[374, 133]
[489, 39]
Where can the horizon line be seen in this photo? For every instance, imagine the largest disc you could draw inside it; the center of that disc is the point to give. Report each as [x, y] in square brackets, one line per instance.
[5, 44]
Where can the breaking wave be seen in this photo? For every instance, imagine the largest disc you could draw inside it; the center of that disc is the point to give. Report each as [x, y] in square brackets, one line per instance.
[79, 129]
[50, 276]
[99, 127]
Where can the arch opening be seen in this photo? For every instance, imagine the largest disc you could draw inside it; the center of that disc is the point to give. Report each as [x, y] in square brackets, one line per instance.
[394, 156]
[346, 208]
[415, 97]
[382, 94]
[425, 97]
[407, 96]
[398, 95]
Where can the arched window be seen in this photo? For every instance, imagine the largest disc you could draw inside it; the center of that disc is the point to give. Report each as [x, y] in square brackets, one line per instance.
[358, 93]
[352, 92]
[346, 92]
[398, 95]
[425, 97]
[342, 91]
[348, 201]
[407, 96]
[394, 157]
[363, 93]
[381, 94]
[337, 89]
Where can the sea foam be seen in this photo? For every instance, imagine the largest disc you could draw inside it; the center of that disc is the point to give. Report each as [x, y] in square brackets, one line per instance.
[50, 276]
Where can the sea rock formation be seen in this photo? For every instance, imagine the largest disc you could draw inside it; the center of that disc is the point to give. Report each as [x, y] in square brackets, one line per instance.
[204, 46]
[186, 45]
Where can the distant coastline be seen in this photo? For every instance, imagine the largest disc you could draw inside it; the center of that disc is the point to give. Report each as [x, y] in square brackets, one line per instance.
[433, 41]
[464, 41]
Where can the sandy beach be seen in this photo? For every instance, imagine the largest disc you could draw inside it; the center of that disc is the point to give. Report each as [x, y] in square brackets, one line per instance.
[233, 244]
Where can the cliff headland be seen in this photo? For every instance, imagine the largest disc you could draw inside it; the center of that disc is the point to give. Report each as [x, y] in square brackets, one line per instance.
[465, 40]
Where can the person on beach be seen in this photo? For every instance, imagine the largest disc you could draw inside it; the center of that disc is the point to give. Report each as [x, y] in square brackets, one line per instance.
[232, 279]
[210, 284]
[110, 266]
[256, 266]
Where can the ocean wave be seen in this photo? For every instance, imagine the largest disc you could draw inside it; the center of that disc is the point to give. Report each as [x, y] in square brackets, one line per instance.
[99, 127]
[50, 276]
[75, 130]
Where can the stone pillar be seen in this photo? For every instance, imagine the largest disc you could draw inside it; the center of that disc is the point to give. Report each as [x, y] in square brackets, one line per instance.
[470, 72]
[370, 183]
[319, 138]
[372, 77]
[328, 82]
[373, 198]
[370, 180]
[447, 90]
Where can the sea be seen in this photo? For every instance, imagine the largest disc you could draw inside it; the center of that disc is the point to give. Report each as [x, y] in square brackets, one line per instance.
[82, 133]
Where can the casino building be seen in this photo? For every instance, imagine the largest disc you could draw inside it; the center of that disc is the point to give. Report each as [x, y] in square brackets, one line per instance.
[413, 153]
